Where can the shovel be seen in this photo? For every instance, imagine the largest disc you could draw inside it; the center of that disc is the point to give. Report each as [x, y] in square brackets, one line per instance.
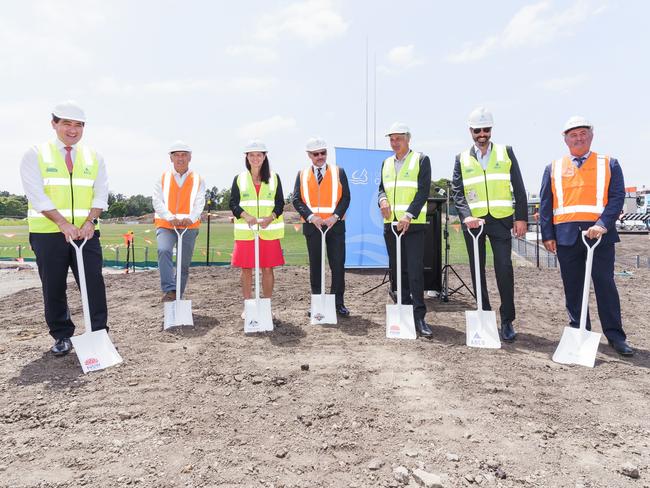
[323, 307]
[579, 346]
[257, 311]
[481, 325]
[399, 318]
[94, 348]
[178, 312]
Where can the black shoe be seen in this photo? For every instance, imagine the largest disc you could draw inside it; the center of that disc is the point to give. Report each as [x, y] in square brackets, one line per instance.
[622, 348]
[423, 329]
[342, 311]
[508, 333]
[62, 347]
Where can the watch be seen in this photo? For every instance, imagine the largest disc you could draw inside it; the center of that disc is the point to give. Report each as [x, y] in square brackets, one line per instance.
[94, 221]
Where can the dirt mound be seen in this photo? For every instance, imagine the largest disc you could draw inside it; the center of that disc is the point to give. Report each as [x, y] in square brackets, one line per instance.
[306, 406]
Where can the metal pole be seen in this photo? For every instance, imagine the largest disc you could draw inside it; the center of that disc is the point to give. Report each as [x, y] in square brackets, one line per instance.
[207, 246]
[146, 256]
[374, 102]
[366, 92]
[537, 240]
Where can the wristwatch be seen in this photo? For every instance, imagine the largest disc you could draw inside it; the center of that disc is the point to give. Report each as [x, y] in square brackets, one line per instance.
[94, 221]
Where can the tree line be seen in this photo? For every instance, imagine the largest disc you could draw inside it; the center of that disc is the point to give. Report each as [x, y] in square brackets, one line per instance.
[120, 205]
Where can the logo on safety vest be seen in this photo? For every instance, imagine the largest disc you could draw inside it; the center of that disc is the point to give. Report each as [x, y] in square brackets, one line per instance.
[51, 169]
[87, 171]
[472, 196]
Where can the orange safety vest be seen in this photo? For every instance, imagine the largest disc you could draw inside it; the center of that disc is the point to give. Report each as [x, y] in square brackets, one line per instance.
[580, 194]
[179, 199]
[321, 199]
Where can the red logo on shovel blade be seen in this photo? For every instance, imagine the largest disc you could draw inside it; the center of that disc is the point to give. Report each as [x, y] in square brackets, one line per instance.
[394, 329]
[91, 363]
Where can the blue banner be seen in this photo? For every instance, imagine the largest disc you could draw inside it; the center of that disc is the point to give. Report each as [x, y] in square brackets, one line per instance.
[364, 226]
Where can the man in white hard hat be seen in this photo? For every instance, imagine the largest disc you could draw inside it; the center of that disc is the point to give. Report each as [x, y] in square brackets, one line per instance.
[67, 190]
[486, 181]
[581, 192]
[403, 192]
[321, 196]
[178, 200]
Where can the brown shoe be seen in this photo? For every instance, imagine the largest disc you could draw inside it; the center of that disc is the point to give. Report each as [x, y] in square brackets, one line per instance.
[169, 296]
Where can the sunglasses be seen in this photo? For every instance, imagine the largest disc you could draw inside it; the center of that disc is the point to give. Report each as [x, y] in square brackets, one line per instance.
[487, 130]
[319, 153]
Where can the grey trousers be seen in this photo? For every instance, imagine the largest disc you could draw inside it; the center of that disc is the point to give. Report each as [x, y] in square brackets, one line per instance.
[167, 240]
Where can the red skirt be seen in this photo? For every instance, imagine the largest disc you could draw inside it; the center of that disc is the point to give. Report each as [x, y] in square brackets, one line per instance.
[243, 255]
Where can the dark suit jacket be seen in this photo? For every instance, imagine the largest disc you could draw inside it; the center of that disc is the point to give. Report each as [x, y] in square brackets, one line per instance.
[567, 233]
[518, 190]
[424, 187]
[340, 209]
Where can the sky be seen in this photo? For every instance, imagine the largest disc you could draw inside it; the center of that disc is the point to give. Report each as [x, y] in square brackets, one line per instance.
[218, 73]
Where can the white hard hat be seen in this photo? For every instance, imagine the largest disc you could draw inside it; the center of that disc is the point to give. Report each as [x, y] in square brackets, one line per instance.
[480, 118]
[255, 145]
[179, 146]
[315, 143]
[398, 128]
[575, 122]
[69, 110]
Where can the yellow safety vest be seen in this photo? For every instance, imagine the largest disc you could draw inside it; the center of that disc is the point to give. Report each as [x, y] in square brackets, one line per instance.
[71, 194]
[259, 206]
[401, 188]
[489, 190]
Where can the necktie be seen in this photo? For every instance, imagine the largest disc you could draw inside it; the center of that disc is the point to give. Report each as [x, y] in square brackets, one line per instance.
[68, 158]
[319, 176]
[579, 161]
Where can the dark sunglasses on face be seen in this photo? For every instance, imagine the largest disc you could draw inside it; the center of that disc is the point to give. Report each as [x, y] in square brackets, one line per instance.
[319, 153]
[487, 130]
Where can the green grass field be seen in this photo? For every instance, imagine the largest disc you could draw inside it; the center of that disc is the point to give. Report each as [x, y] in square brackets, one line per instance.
[14, 243]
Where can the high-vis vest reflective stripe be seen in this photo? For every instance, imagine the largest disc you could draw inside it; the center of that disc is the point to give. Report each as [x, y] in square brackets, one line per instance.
[71, 194]
[259, 206]
[179, 200]
[489, 190]
[321, 199]
[401, 188]
[580, 194]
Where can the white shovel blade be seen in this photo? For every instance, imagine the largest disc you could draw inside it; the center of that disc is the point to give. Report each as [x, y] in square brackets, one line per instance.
[577, 347]
[95, 350]
[399, 322]
[481, 329]
[323, 312]
[257, 319]
[178, 313]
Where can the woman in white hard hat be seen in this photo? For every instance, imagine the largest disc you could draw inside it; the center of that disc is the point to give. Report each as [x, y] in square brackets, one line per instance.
[256, 197]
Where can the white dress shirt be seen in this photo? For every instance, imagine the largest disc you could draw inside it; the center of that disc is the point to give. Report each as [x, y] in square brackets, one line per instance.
[30, 173]
[159, 203]
[483, 160]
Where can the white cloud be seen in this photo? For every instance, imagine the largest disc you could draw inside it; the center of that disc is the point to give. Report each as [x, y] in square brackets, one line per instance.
[532, 25]
[242, 84]
[262, 128]
[261, 54]
[313, 21]
[404, 57]
[564, 84]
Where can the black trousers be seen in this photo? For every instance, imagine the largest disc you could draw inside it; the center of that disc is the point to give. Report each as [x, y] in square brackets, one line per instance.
[412, 266]
[335, 242]
[572, 267]
[498, 231]
[54, 256]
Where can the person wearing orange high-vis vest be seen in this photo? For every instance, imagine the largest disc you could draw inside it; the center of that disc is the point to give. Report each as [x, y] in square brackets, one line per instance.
[585, 191]
[67, 189]
[321, 196]
[178, 200]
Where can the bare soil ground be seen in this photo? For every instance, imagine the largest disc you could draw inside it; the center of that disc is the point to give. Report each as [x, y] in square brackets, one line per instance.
[208, 406]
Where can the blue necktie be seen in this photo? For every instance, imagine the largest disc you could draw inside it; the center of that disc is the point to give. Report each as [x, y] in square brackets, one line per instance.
[579, 161]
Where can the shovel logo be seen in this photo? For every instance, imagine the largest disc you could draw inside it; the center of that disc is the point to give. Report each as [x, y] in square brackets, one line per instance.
[91, 363]
[253, 323]
[394, 329]
[319, 316]
[477, 339]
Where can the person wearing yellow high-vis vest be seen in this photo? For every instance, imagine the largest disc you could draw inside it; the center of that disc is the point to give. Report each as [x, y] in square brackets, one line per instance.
[321, 195]
[403, 192]
[67, 190]
[178, 200]
[256, 197]
[485, 182]
[584, 191]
